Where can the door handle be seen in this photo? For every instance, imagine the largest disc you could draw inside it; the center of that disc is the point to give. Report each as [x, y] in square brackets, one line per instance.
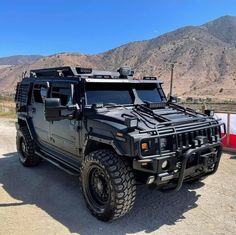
[33, 110]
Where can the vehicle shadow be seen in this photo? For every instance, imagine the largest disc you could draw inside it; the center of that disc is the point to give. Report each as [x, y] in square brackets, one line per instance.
[58, 194]
[233, 157]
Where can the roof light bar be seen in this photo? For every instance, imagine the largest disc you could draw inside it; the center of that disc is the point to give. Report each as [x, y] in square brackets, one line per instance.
[149, 78]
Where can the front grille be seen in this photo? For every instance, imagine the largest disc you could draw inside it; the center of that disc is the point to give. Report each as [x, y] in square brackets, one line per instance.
[185, 136]
[186, 140]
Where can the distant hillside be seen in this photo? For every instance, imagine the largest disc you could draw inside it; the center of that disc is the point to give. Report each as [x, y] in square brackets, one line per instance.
[19, 59]
[204, 57]
[223, 28]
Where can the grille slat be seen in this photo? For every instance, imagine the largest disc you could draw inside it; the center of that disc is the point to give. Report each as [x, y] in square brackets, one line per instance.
[185, 140]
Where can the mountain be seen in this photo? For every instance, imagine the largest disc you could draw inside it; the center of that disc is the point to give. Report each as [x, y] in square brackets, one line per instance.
[223, 28]
[204, 57]
[19, 59]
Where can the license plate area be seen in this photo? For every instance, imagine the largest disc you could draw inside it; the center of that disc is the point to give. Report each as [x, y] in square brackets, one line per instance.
[205, 158]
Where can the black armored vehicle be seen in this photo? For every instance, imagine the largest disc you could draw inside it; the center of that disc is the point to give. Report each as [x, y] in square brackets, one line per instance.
[113, 131]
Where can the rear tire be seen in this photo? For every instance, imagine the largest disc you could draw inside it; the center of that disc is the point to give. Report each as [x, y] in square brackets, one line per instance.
[26, 148]
[108, 185]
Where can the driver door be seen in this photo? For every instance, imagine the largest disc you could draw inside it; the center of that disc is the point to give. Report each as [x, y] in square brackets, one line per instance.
[63, 133]
[40, 91]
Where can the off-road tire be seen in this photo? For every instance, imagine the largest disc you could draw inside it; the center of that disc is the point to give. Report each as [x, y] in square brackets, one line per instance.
[120, 179]
[26, 154]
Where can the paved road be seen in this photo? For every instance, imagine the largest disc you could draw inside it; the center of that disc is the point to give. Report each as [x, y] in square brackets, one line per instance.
[45, 200]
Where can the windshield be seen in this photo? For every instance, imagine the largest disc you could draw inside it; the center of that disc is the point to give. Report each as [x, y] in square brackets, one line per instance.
[109, 93]
[149, 93]
[118, 93]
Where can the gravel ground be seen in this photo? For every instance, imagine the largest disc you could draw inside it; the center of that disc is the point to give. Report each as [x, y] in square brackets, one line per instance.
[46, 200]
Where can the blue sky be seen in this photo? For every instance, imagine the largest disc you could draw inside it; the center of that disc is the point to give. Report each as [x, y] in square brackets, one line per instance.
[51, 26]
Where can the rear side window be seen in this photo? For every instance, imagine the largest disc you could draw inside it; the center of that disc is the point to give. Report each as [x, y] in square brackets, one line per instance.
[40, 92]
[64, 93]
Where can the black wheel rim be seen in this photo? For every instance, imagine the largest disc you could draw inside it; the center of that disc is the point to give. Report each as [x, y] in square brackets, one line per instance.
[97, 190]
[23, 149]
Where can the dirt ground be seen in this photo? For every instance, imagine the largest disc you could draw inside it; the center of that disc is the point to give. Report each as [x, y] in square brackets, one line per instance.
[46, 200]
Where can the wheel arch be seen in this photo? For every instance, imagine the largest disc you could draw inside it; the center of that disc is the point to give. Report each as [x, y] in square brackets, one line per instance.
[93, 145]
[21, 122]
[24, 122]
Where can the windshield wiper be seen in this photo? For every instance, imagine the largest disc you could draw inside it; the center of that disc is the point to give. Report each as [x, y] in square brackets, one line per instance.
[149, 111]
[106, 105]
[111, 105]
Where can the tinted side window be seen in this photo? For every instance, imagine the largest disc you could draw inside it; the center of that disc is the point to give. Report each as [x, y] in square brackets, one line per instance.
[40, 93]
[64, 93]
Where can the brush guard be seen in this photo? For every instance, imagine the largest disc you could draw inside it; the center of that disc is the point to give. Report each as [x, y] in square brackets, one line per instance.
[208, 156]
[215, 154]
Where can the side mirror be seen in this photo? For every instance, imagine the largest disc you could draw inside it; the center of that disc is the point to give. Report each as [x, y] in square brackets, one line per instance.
[53, 109]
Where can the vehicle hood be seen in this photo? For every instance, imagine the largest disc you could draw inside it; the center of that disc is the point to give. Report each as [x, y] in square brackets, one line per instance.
[148, 119]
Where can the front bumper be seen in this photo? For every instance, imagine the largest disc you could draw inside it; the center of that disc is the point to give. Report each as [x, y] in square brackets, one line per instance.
[205, 161]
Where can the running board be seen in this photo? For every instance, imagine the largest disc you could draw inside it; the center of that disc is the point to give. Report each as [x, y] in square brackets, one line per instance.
[59, 165]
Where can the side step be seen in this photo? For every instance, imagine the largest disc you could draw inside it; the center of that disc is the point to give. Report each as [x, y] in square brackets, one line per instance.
[59, 165]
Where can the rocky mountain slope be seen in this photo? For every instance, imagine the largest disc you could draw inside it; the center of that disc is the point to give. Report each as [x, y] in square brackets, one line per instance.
[19, 59]
[204, 57]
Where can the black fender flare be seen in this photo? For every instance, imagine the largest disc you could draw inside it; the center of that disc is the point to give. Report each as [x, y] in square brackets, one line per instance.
[29, 125]
[102, 140]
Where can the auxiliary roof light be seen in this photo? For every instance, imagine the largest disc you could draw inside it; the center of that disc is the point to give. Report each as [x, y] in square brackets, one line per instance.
[209, 112]
[131, 123]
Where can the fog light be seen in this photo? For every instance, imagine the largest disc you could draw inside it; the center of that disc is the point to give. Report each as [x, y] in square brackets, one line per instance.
[164, 164]
[151, 179]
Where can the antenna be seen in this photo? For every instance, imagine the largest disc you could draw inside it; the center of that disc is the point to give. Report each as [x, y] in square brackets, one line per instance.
[24, 74]
[171, 78]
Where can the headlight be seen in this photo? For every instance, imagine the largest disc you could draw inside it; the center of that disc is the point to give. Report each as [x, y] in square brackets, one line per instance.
[163, 143]
[164, 164]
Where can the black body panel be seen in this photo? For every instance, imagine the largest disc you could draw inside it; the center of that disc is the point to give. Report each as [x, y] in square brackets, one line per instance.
[188, 142]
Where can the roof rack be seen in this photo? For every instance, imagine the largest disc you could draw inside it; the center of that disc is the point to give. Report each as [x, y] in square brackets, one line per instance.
[68, 71]
[65, 71]
[48, 72]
